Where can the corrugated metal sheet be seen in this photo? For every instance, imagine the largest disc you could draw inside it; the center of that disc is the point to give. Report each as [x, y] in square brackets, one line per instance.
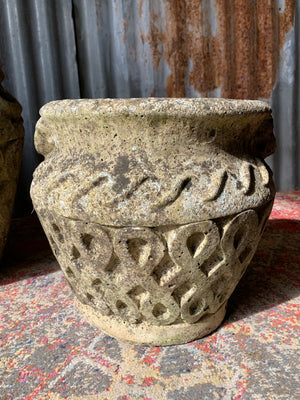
[38, 53]
[53, 49]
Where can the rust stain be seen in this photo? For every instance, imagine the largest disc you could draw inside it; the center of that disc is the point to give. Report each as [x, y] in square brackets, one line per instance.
[141, 5]
[257, 33]
[203, 73]
[156, 37]
[125, 29]
[241, 59]
[176, 45]
[286, 20]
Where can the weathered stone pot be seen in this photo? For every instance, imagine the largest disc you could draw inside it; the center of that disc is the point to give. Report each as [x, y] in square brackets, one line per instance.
[154, 207]
[11, 145]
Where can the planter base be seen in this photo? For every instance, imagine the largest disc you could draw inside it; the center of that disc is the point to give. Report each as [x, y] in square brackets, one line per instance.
[150, 335]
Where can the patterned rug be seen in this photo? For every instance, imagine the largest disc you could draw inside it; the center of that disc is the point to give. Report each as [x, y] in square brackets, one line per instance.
[48, 351]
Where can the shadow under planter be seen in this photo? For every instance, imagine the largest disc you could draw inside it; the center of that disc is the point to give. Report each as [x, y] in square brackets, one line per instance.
[154, 207]
[273, 276]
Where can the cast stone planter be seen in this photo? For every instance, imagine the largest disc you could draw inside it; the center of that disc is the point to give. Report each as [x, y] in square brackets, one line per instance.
[11, 145]
[154, 207]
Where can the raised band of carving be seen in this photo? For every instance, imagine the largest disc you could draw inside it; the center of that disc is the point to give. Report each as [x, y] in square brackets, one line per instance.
[131, 191]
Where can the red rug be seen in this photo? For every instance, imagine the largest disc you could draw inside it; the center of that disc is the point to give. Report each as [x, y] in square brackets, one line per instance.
[48, 351]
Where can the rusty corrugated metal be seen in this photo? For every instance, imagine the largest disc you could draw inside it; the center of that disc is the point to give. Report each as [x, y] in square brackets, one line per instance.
[139, 48]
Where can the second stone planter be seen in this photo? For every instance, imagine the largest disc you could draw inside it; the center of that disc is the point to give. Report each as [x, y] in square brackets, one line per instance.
[11, 146]
[154, 207]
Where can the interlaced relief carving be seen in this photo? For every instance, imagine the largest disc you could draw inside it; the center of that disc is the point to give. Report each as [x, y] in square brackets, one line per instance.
[163, 276]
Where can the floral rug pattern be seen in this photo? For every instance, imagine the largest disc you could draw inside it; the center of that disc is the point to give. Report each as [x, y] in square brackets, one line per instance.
[48, 350]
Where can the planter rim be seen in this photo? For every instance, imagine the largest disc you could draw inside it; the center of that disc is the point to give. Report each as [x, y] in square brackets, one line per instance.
[214, 149]
[173, 107]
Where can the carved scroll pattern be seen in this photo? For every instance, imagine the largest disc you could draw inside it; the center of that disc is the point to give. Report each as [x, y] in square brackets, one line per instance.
[162, 277]
[247, 178]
